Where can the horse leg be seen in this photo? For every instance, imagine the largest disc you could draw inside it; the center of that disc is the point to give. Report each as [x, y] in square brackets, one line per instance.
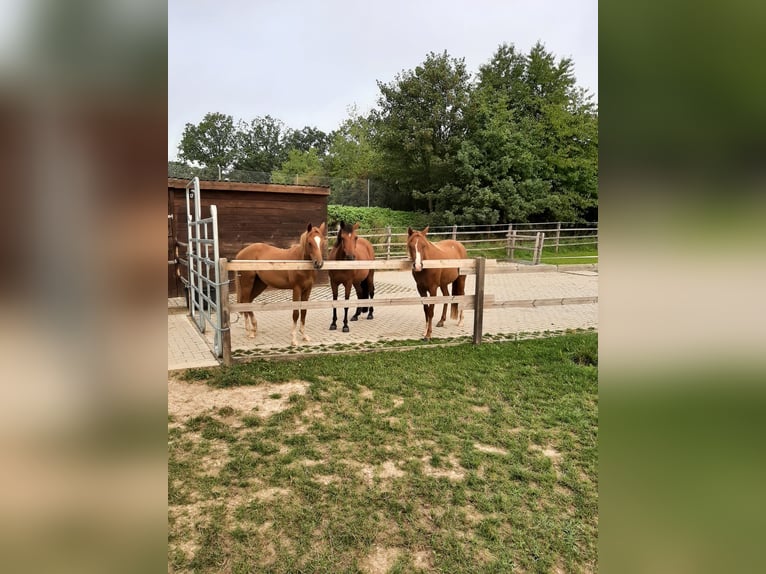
[258, 287]
[426, 309]
[296, 314]
[347, 287]
[445, 292]
[305, 297]
[334, 287]
[458, 288]
[370, 291]
[360, 294]
[245, 287]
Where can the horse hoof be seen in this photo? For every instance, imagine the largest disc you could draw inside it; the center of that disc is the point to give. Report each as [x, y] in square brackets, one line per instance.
[354, 318]
[333, 327]
[369, 317]
[440, 324]
[345, 329]
[426, 339]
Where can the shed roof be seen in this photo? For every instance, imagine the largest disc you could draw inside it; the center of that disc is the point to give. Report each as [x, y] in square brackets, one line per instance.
[177, 183]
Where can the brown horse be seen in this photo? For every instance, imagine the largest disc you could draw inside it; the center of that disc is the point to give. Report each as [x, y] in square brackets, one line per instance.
[349, 246]
[311, 247]
[419, 249]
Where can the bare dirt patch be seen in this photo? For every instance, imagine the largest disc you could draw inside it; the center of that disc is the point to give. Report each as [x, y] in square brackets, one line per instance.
[388, 470]
[422, 560]
[489, 449]
[380, 560]
[480, 409]
[215, 459]
[455, 472]
[548, 451]
[271, 493]
[186, 399]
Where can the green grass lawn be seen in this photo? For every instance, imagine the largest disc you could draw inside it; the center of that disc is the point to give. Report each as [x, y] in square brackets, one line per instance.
[566, 255]
[453, 459]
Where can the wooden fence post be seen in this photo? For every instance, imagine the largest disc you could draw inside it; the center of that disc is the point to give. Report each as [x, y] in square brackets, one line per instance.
[223, 301]
[513, 243]
[508, 241]
[478, 304]
[538, 252]
[537, 246]
[388, 242]
[558, 235]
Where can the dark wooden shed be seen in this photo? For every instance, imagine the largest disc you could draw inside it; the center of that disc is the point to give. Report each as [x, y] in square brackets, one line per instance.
[247, 213]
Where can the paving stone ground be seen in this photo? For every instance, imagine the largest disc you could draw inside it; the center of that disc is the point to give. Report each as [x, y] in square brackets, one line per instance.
[188, 348]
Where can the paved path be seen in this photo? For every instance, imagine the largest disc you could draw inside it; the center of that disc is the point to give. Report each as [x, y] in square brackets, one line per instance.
[187, 348]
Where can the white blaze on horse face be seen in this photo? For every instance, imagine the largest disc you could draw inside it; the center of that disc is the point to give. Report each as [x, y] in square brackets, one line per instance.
[318, 241]
[418, 258]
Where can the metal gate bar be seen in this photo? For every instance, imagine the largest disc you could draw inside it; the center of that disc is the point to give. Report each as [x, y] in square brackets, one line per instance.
[204, 283]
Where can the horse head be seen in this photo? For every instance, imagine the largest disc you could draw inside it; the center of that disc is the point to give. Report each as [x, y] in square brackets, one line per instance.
[347, 238]
[315, 244]
[416, 244]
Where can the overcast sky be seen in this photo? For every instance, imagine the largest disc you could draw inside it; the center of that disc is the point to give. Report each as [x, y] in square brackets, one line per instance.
[305, 62]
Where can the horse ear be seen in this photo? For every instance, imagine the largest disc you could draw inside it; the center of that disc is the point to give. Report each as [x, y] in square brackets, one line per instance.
[425, 231]
[342, 224]
[309, 227]
[409, 231]
[356, 226]
[322, 228]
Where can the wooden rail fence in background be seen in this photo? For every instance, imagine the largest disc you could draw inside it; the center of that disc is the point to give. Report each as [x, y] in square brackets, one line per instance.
[479, 301]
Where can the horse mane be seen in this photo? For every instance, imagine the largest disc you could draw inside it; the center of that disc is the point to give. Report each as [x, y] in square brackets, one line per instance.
[342, 226]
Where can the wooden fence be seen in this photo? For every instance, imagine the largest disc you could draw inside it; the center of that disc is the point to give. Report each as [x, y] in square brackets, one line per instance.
[478, 301]
[389, 242]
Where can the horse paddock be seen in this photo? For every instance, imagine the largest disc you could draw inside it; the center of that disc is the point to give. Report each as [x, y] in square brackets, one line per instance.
[188, 348]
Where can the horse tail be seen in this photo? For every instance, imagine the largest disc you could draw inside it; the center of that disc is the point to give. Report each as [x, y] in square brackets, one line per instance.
[458, 288]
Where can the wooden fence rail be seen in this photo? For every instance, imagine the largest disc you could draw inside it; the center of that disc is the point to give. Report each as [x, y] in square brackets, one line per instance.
[477, 302]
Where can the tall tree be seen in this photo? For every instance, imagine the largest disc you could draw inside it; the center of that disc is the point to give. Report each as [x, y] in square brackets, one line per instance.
[212, 142]
[308, 138]
[303, 167]
[261, 144]
[420, 124]
[531, 150]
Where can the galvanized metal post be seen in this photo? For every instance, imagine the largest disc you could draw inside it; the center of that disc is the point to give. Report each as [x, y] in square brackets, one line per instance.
[388, 242]
[223, 304]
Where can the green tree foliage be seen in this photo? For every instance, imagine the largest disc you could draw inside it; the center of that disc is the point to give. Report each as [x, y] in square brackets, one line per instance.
[373, 217]
[300, 167]
[262, 144]
[420, 125]
[308, 138]
[531, 148]
[211, 143]
[353, 160]
[352, 154]
[519, 142]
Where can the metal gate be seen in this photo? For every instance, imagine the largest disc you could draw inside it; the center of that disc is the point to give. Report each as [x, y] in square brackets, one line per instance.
[204, 280]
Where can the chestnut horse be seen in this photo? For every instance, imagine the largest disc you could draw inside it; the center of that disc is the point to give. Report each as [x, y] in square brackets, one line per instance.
[349, 246]
[428, 281]
[311, 247]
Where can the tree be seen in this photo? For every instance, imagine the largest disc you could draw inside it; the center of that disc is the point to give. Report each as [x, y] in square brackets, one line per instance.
[300, 167]
[211, 143]
[420, 125]
[308, 138]
[531, 149]
[261, 144]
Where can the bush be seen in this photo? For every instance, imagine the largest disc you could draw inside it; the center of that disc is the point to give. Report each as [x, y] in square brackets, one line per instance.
[373, 217]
